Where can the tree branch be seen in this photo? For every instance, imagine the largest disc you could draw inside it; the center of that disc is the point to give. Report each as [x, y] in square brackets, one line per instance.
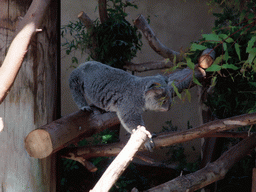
[153, 41]
[18, 48]
[147, 66]
[117, 167]
[88, 23]
[167, 139]
[103, 11]
[210, 173]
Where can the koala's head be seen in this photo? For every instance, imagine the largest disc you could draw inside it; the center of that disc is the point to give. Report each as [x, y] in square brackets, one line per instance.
[158, 97]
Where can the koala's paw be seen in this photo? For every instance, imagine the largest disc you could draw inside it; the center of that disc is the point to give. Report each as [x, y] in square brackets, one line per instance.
[150, 145]
[86, 108]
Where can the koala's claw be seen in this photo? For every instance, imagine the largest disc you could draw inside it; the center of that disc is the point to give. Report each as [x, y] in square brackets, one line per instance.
[86, 109]
[150, 145]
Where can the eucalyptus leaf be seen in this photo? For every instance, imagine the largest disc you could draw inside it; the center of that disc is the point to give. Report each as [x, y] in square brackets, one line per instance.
[211, 37]
[229, 66]
[237, 48]
[176, 90]
[213, 68]
[195, 47]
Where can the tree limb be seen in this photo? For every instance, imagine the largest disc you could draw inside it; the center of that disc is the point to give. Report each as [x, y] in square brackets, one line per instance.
[211, 172]
[153, 41]
[18, 48]
[117, 167]
[103, 11]
[147, 66]
[167, 139]
[88, 23]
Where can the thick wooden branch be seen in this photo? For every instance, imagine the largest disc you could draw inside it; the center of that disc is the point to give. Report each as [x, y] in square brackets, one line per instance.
[18, 48]
[212, 172]
[154, 42]
[58, 134]
[207, 58]
[171, 138]
[123, 159]
[103, 10]
[88, 23]
[147, 66]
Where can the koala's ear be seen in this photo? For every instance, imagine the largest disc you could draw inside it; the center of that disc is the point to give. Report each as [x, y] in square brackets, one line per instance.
[154, 88]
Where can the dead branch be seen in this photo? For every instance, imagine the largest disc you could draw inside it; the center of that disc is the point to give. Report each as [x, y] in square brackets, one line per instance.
[18, 48]
[103, 11]
[88, 165]
[117, 167]
[153, 41]
[210, 173]
[58, 134]
[167, 139]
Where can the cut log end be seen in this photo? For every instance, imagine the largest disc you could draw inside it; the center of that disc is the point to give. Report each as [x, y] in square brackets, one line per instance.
[38, 144]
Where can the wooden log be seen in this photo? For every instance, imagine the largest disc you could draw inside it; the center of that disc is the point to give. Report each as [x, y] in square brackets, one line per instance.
[58, 134]
[206, 59]
[210, 173]
[154, 42]
[117, 167]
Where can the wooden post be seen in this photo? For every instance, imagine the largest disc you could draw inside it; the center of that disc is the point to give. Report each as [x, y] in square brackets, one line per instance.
[32, 100]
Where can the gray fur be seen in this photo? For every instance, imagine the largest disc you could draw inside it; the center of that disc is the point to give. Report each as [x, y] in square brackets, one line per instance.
[115, 90]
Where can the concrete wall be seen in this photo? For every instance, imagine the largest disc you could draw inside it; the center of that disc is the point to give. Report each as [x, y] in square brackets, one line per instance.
[176, 23]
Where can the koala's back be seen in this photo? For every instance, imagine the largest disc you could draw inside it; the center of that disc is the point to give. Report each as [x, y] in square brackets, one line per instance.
[104, 86]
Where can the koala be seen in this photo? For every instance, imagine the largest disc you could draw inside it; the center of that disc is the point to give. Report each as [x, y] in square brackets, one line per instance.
[118, 91]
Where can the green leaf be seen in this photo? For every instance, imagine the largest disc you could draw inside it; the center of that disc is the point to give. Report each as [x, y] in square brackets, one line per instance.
[226, 38]
[188, 95]
[218, 60]
[196, 81]
[253, 83]
[213, 83]
[238, 51]
[225, 47]
[229, 66]
[195, 47]
[190, 64]
[176, 90]
[251, 57]
[211, 37]
[226, 56]
[250, 44]
[213, 68]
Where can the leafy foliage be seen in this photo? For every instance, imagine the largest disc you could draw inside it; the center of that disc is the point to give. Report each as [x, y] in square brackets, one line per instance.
[117, 41]
[234, 69]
